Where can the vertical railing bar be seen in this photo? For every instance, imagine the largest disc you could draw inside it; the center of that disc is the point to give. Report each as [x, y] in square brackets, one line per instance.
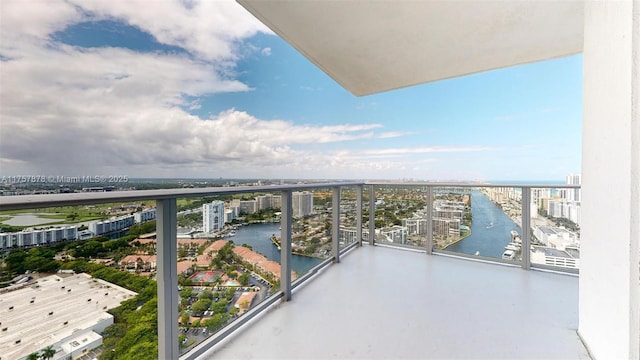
[372, 215]
[429, 220]
[359, 189]
[526, 228]
[285, 244]
[335, 224]
[167, 278]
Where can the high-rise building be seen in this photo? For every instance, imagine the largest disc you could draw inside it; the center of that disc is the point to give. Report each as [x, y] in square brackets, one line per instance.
[574, 194]
[213, 216]
[302, 203]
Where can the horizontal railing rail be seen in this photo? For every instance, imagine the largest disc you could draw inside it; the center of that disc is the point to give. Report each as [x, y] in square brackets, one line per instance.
[21, 202]
[166, 227]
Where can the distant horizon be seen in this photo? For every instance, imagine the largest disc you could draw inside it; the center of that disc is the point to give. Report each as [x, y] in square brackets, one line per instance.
[240, 179]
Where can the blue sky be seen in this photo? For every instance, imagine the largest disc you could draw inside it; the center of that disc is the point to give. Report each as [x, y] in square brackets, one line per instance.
[100, 88]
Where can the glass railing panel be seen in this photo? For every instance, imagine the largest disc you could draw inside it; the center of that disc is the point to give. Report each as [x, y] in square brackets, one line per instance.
[311, 225]
[366, 192]
[348, 216]
[483, 222]
[66, 274]
[399, 213]
[555, 228]
[238, 265]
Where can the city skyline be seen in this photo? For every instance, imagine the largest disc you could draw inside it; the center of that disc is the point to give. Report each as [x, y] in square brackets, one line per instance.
[204, 90]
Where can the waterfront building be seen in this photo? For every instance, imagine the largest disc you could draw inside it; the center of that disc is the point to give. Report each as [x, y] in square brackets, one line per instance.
[554, 257]
[268, 201]
[229, 215]
[555, 237]
[446, 227]
[417, 226]
[302, 203]
[248, 206]
[213, 216]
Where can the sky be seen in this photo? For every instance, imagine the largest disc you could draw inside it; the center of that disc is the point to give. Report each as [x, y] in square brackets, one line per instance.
[201, 89]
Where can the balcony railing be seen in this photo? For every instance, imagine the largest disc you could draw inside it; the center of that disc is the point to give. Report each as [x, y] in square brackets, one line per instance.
[166, 228]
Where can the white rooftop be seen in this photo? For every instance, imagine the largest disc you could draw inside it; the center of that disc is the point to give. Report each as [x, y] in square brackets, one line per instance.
[42, 323]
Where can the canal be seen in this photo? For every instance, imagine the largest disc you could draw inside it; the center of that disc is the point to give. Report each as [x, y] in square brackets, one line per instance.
[258, 236]
[490, 229]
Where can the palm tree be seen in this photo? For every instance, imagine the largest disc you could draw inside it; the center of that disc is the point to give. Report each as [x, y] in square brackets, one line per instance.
[48, 352]
[33, 356]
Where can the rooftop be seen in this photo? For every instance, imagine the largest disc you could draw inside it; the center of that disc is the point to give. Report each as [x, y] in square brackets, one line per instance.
[56, 300]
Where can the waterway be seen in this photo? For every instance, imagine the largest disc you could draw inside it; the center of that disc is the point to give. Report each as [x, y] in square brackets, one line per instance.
[490, 229]
[258, 236]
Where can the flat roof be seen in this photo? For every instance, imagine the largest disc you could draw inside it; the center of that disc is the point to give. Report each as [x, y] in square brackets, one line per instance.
[41, 323]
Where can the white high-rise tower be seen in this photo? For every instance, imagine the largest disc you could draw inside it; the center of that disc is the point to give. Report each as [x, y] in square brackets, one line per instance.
[213, 216]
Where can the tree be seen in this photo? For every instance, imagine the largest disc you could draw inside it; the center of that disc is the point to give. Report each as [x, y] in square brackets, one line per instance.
[200, 306]
[33, 356]
[207, 294]
[184, 319]
[244, 279]
[48, 352]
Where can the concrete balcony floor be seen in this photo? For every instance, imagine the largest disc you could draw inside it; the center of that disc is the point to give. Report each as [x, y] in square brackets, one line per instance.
[382, 303]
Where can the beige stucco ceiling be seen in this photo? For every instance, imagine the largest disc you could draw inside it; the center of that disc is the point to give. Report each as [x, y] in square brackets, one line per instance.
[374, 46]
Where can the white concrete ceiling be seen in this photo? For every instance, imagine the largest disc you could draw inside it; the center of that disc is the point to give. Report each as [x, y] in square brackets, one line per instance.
[374, 46]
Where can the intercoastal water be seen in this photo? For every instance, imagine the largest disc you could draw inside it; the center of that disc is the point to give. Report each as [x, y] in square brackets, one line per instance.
[258, 236]
[490, 233]
[490, 229]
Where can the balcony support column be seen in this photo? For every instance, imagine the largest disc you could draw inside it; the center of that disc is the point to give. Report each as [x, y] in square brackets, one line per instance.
[359, 189]
[526, 228]
[429, 244]
[372, 215]
[335, 225]
[167, 278]
[285, 244]
[609, 294]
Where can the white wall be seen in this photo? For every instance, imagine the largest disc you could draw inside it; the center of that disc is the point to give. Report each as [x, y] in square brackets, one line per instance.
[609, 321]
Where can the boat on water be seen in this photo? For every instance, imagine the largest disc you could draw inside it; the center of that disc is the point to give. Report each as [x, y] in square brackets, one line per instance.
[509, 255]
[513, 247]
[275, 241]
[490, 225]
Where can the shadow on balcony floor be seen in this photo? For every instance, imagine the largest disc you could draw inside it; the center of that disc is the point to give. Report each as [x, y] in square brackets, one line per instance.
[382, 303]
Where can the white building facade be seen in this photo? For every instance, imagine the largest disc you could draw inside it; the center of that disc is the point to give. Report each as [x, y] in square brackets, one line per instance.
[213, 216]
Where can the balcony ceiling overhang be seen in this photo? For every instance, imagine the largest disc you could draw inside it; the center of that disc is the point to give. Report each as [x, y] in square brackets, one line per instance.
[375, 46]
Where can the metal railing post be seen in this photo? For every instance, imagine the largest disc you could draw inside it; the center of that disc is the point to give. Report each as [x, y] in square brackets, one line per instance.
[372, 215]
[429, 244]
[285, 244]
[526, 228]
[167, 278]
[359, 189]
[335, 224]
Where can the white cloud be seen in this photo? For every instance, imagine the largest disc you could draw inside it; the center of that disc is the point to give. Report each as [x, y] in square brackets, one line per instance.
[68, 110]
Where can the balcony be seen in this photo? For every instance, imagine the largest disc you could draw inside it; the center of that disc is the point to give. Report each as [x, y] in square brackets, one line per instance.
[392, 300]
[382, 303]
